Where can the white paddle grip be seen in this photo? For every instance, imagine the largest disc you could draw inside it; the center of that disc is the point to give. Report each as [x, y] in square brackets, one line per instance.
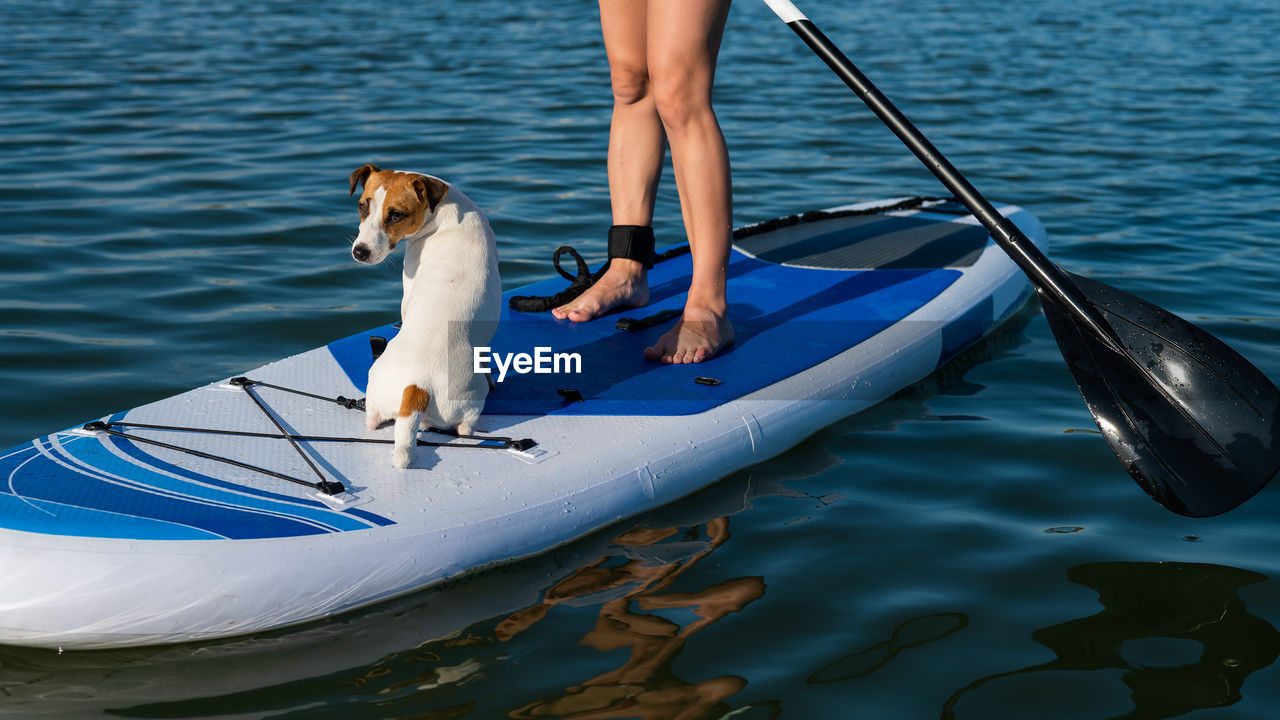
[785, 10]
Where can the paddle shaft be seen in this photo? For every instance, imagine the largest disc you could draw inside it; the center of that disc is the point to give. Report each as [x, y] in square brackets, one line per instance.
[1043, 273]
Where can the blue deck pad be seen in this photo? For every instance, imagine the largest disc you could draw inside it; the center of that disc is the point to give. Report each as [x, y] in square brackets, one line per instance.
[786, 320]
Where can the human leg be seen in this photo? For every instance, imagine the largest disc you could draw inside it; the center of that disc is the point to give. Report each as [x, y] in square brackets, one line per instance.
[683, 42]
[637, 146]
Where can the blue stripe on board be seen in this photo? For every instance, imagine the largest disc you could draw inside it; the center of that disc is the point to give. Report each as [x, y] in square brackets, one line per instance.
[147, 479]
[296, 507]
[300, 507]
[967, 329]
[52, 518]
[120, 507]
[79, 498]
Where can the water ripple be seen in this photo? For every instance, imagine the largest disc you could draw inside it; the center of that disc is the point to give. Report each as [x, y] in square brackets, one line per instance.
[174, 180]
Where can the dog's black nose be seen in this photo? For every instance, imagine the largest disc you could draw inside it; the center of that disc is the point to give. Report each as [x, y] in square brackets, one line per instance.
[360, 253]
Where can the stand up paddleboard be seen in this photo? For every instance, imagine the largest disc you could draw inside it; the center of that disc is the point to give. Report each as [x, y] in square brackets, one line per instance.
[262, 501]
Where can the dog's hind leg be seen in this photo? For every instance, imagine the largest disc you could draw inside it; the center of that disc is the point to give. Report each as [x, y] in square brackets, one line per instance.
[467, 424]
[413, 405]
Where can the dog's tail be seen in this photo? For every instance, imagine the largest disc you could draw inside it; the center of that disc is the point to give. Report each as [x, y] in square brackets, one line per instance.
[413, 404]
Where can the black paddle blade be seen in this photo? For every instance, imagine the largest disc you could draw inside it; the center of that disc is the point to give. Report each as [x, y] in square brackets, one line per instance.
[1192, 421]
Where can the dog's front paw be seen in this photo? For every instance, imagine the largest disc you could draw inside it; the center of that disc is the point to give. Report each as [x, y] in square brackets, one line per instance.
[402, 457]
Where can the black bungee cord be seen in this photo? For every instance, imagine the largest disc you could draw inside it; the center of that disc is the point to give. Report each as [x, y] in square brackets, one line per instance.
[323, 485]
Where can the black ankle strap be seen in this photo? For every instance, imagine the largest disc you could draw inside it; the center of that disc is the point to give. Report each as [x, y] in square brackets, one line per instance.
[633, 242]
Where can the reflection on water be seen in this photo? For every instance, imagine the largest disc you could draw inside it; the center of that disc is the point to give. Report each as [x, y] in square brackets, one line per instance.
[912, 633]
[457, 650]
[645, 686]
[1179, 632]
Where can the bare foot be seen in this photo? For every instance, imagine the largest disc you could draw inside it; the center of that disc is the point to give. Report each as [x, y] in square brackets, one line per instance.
[623, 285]
[698, 335]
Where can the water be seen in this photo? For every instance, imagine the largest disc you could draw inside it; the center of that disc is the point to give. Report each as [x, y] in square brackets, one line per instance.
[172, 177]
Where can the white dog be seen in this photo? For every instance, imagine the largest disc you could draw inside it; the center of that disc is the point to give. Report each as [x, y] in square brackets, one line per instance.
[452, 296]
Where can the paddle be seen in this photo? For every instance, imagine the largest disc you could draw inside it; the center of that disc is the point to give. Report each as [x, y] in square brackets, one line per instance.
[1194, 423]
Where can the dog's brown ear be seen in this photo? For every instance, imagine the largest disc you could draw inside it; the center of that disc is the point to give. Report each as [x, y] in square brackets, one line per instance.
[361, 174]
[430, 189]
